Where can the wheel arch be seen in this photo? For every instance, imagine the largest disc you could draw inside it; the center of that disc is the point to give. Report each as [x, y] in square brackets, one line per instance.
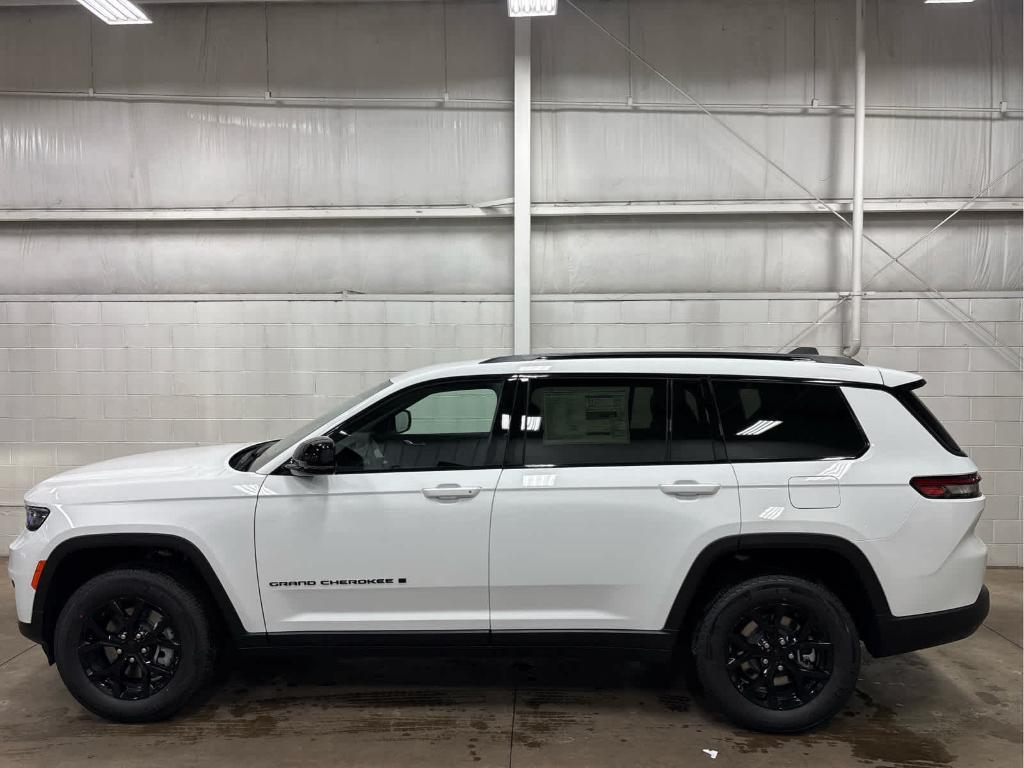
[834, 562]
[77, 559]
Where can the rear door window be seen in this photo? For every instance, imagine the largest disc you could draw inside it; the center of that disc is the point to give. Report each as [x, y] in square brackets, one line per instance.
[595, 421]
[786, 421]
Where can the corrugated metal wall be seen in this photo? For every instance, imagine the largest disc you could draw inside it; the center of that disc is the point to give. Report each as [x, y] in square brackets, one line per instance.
[386, 104]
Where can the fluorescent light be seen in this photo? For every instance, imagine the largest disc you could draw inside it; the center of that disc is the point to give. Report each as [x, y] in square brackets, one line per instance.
[117, 11]
[758, 428]
[532, 7]
[926, 2]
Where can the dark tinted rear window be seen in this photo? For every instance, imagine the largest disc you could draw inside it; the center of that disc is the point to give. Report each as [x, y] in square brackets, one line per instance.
[782, 421]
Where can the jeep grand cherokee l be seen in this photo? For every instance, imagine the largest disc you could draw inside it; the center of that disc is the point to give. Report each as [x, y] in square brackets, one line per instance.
[765, 514]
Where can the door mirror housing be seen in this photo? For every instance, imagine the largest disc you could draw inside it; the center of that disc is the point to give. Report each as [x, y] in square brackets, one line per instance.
[314, 456]
[403, 420]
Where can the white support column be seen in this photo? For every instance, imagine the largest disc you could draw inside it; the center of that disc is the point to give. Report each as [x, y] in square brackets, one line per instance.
[853, 335]
[521, 208]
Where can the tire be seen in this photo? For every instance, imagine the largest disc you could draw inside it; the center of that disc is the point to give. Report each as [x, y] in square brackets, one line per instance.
[119, 677]
[804, 633]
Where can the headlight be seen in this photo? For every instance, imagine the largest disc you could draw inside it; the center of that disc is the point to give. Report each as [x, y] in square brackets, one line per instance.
[35, 517]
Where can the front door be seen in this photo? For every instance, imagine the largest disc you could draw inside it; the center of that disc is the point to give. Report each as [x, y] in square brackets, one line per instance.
[612, 487]
[397, 539]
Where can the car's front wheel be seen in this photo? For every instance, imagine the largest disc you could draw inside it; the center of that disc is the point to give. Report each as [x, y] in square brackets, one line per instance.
[777, 653]
[134, 645]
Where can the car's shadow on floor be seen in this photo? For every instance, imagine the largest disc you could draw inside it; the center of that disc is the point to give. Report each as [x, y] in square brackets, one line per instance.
[507, 672]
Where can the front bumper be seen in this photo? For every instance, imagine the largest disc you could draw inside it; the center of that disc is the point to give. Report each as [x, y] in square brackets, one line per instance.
[900, 634]
[34, 632]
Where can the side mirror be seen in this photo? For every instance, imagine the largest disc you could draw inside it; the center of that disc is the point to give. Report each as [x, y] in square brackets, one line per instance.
[313, 457]
[403, 420]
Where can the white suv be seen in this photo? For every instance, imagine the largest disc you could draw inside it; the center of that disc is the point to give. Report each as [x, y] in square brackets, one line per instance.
[764, 513]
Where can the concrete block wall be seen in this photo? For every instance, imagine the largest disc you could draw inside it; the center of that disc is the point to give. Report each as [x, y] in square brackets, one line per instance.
[84, 378]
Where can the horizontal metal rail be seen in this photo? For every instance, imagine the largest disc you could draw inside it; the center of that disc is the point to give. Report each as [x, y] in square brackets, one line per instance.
[502, 209]
[446, 100]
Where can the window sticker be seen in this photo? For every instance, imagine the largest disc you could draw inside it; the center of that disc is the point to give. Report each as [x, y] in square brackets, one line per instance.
[591, 416]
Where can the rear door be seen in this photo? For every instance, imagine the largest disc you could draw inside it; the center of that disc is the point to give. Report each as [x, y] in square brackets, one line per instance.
[793, 445]
[611, 488]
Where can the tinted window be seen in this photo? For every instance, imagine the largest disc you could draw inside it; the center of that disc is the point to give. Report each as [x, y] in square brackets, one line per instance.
[691, 425]
[586, 422]
[445, 426]
[769, 421]
[927, 420]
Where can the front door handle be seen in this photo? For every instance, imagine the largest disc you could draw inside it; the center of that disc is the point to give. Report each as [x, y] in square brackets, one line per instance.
[689, 488]
[451, 492]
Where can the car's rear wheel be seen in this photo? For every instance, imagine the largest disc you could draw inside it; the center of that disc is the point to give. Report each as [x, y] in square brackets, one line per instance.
[778, 654]
[134, 645]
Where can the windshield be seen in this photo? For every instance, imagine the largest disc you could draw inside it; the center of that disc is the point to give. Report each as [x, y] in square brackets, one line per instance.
[274, 449]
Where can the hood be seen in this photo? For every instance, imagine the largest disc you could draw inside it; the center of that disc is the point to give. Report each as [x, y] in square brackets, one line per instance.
[159, 474]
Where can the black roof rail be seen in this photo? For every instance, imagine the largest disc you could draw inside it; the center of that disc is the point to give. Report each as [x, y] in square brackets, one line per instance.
[796, 354]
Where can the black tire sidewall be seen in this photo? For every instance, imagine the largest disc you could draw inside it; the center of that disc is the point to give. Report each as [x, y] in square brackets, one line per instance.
[722, 617]
[186, 616]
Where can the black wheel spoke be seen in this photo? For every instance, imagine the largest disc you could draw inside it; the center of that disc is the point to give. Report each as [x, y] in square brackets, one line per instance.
[123, 663]
[159, 627]
[777, 656]
[122, 617]
[96, 645]
[802, 633]
[93, 626]
[743, 643]
[811, 645]
[138, 608]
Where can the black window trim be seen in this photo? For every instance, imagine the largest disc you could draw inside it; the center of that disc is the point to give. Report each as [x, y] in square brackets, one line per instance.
[919, 409]
[838, 385]
[509, 389]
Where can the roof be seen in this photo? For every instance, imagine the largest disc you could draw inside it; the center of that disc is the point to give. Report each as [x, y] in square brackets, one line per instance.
[796, 354]
[795, 365]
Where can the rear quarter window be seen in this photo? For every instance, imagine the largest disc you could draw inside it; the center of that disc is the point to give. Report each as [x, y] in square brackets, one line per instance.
[927, 419]
[787, 421]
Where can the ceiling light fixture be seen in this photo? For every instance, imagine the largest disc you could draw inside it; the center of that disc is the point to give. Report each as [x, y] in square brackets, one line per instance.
[532, 8]
[926, 2]
[117, 11]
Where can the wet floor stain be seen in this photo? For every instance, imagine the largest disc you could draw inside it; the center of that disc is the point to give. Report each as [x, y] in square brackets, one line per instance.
[873, 733]
[988, 698]
[675, 702]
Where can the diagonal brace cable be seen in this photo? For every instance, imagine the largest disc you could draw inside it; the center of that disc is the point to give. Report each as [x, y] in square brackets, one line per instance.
[782, 171]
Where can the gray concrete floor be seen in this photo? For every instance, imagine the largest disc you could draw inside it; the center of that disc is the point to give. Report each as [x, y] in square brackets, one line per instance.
[955, 705]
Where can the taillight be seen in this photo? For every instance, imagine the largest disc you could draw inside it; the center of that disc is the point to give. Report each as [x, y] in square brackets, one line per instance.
[949, 486]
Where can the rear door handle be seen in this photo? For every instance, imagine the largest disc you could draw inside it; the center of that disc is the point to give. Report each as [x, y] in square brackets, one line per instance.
[689, 488]
[451, 492]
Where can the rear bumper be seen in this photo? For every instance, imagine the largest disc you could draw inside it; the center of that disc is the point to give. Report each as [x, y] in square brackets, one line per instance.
[900, 634]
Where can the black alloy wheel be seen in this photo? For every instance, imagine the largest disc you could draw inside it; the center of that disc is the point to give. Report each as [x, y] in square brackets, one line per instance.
[135, 644]
[129, 648]
[779, 657]
[777, 653]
